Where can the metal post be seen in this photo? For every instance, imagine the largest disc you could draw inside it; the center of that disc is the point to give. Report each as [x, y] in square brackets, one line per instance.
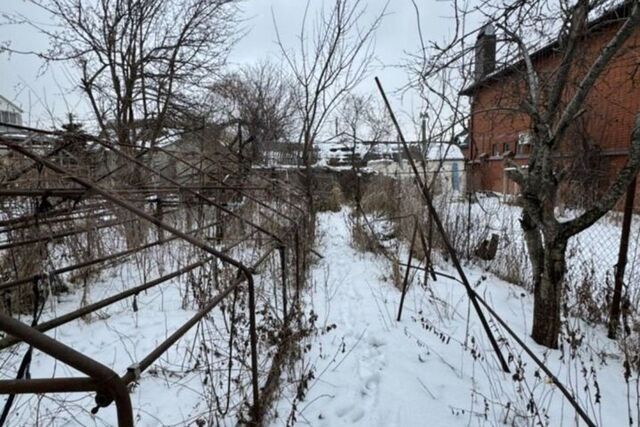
[283, 267]
[452, 252]
[468, 225]
[614, 317]
[427, 255]
[405, 282]
[297, 246]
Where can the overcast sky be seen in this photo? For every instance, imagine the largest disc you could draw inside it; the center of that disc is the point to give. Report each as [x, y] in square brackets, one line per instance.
[38, 91]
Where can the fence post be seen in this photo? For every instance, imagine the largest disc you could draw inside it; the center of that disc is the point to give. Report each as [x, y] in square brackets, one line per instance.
[405, 283]
[468, 225]
[160, 215]
[283, 266]
[614, 316]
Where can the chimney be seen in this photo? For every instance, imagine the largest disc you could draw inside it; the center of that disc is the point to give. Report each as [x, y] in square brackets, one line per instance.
[485, 49]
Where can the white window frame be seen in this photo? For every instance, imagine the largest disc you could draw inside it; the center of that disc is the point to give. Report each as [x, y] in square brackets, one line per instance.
[524, 138]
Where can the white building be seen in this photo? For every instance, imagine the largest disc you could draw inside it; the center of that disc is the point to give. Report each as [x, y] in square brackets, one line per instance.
[442, 162]
[10, 113]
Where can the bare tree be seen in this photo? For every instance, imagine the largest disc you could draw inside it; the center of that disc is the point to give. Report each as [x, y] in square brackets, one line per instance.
[261, 99]
[334, 54]
[363, 118]
[544, 94]
[138, 59]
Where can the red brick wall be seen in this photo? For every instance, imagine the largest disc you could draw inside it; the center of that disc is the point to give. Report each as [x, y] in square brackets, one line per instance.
[606, 122]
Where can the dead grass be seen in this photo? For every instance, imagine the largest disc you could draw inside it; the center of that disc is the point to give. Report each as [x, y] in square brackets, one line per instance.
[330, 199]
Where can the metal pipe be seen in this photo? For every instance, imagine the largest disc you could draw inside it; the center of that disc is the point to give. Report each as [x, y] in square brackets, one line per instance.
[63, 234]
[70, 192]
[150, 218]
[538, 362]
[405, 282]
[49, 385]
[443, 233]
[614, 315]
[427, 250]
[77, 360]
[283, 268]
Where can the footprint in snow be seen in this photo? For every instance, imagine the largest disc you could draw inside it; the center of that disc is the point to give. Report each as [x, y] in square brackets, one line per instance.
[376, 341]
[351, 412]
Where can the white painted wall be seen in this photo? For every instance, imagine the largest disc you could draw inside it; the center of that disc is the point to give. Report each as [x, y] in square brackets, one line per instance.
[449, 173]
[9, 113]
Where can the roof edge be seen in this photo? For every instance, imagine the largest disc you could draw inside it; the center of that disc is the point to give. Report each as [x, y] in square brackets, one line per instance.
[11, 103]
[604, 20]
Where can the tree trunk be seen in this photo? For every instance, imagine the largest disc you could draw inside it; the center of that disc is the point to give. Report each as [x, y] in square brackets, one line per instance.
[548, 295]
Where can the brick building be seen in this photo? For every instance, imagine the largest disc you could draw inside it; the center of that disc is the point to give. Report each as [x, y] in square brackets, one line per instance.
[596, 146]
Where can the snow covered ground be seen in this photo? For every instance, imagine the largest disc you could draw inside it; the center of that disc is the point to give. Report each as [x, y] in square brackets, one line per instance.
[435, 367]
[178, 389]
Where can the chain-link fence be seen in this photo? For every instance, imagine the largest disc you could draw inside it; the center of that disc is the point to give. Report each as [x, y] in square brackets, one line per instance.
[479, 220]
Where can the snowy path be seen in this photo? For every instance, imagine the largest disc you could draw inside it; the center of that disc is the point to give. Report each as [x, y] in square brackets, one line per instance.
[373, 371]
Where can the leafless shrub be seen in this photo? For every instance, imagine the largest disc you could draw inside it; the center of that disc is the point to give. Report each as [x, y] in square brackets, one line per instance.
[379, 197]
[330, 198]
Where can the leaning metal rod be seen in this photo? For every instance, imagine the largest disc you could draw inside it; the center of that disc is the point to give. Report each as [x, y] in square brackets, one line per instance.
[102, 374]
[81, 214]
[53, 214]
[427, 251]
[283, 267]
[133, 372]
[405, 282]
[445, 238]
[196, 242]
[63, 234]
[614, 314]
[522, 344]
[561, 387]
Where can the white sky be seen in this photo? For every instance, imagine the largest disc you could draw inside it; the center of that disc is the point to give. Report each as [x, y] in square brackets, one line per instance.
[48, 95]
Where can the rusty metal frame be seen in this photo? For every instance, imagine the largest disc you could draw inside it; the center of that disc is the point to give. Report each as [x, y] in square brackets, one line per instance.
[102, 380]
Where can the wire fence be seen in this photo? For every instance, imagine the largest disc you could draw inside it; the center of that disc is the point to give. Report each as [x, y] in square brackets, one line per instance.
[475, 221]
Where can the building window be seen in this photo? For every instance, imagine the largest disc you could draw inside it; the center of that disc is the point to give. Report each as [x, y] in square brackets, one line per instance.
[524, 139]
[505, 147]
[10, 117]
[494, 150]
